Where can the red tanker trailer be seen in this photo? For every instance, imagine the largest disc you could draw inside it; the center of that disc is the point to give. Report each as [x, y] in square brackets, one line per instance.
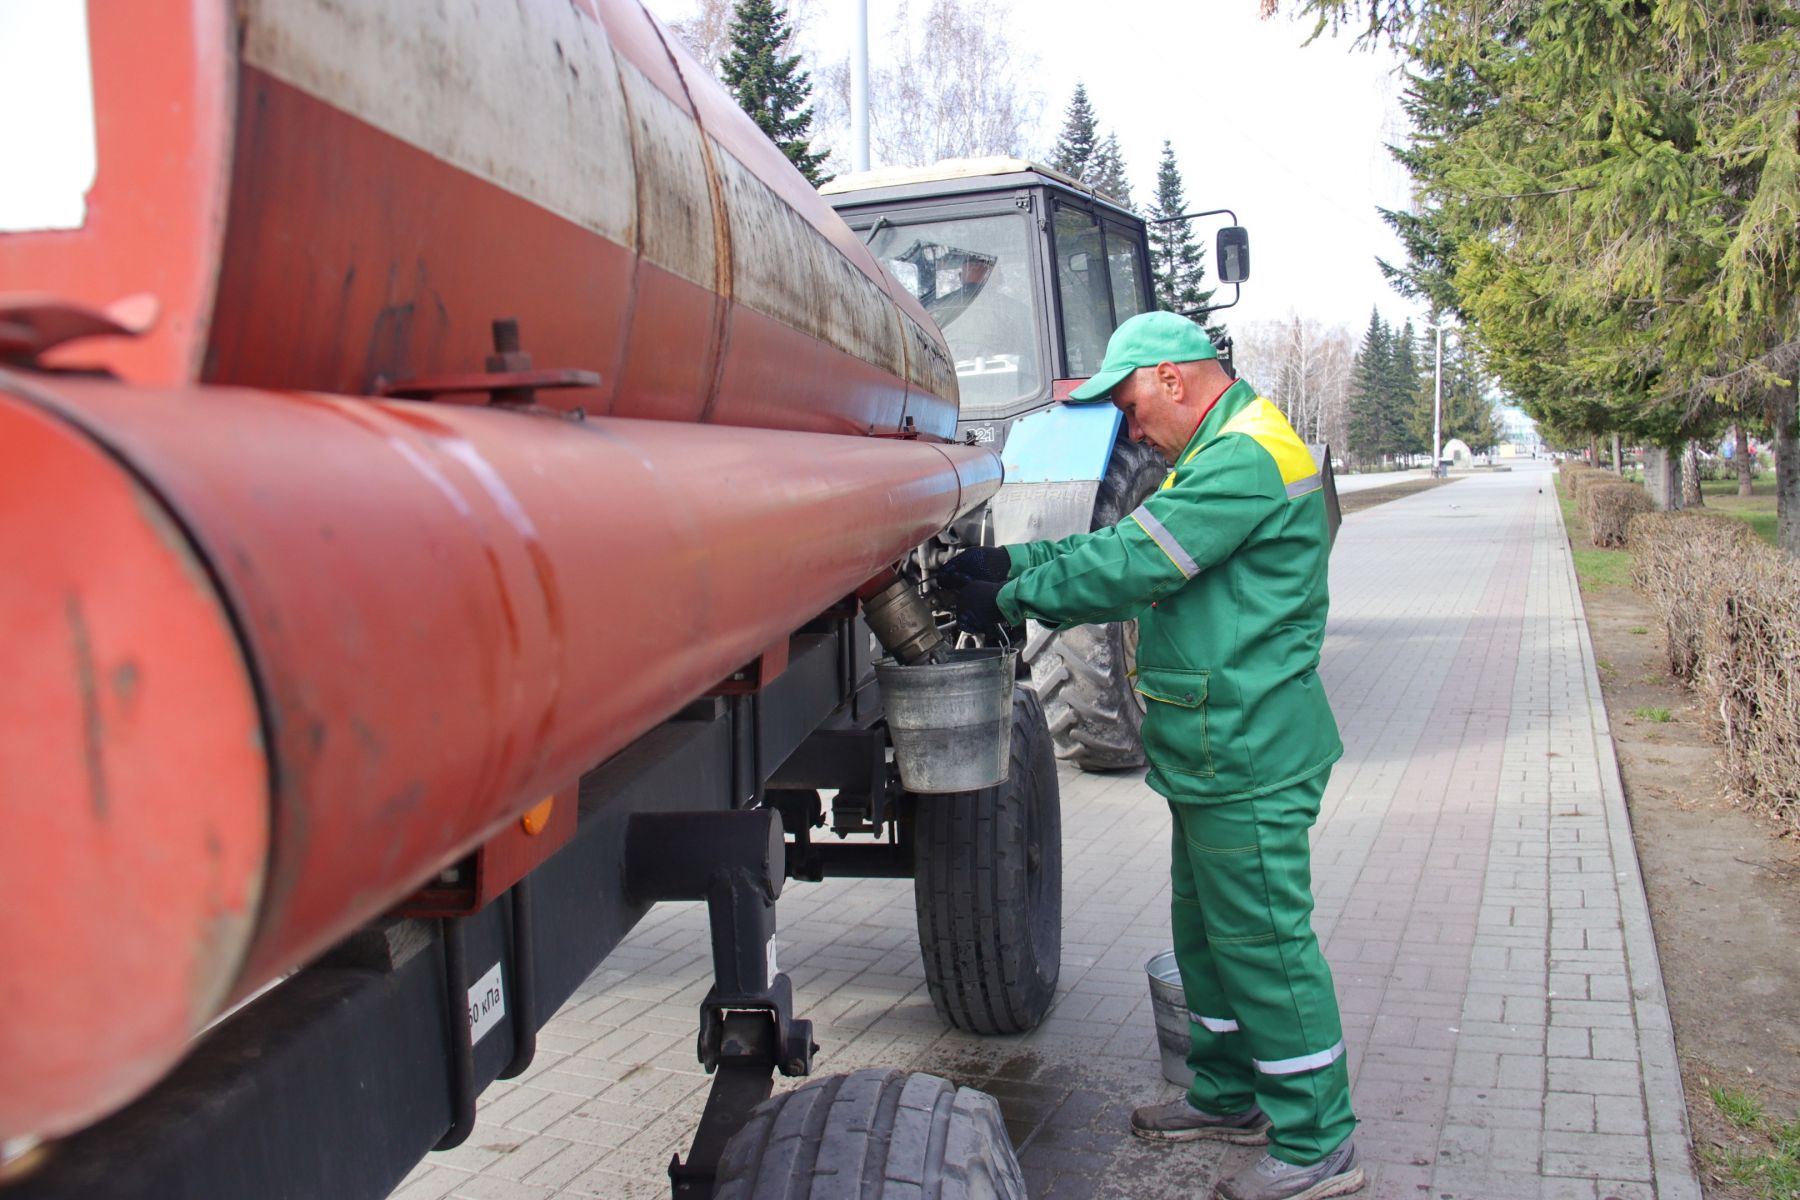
[438, 473]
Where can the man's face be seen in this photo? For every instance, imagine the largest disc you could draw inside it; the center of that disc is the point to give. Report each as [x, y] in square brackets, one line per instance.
[1153, 414]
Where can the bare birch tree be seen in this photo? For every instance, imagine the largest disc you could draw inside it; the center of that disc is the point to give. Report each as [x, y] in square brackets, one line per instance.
[957, 87]
[1305, 369]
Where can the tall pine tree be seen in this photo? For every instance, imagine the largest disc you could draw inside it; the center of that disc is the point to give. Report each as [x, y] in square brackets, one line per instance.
[1107, 171]
[1079, 141]
[769, 84]
[1369, 439]
[1408, 376]
[1177, 259]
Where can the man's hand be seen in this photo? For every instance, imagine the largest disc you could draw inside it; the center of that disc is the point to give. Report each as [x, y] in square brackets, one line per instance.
[978, 608]
[982, 564]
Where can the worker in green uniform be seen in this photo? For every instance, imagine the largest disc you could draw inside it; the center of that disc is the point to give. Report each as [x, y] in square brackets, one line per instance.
[1224, 568]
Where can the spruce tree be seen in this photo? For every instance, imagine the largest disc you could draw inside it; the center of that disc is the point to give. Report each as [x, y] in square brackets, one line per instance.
[769, 84]
[1107, 171]
[1079, 140]
[1368, 432]
[1177, 259]
[1409, 392]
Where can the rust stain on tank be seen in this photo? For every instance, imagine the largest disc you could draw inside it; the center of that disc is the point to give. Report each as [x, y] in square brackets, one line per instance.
[125, 682]
[93, 723]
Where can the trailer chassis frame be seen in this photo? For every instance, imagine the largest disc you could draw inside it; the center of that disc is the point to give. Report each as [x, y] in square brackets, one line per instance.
[338, 1080]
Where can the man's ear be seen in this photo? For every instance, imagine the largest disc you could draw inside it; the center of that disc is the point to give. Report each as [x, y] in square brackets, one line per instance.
[1168, 378]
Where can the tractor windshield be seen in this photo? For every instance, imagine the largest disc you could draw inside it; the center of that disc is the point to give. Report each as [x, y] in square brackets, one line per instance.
[973, 276]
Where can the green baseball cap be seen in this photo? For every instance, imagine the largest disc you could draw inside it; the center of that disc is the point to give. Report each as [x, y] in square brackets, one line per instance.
[1143, 341]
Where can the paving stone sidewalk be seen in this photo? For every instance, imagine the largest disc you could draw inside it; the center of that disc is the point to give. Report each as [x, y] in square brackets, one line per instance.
[1478, 896]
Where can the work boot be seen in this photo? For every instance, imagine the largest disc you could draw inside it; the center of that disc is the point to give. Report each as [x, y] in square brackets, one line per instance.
[1179, 1121]
[1337, 1174]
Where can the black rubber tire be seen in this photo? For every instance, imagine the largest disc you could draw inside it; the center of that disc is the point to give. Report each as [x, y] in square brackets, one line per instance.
[1084, 673]
[876, 1134]
[987, 886]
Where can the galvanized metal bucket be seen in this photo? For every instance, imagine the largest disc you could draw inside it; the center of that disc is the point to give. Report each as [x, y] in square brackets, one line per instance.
[951, 721]
[1169, 1002]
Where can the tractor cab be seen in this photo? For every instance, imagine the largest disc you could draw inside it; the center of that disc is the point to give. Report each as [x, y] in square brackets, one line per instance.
[1026, 271]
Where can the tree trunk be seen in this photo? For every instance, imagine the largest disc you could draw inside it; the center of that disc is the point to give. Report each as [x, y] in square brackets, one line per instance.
[1691, 496]
[1593, 451]
[1746, 465]
[1787, 471]
[1662, 478]
[1618, 459]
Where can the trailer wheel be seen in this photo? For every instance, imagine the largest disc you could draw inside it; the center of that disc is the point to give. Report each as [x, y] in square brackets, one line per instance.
[1084, 673]
[872, 1135]
[987, 886]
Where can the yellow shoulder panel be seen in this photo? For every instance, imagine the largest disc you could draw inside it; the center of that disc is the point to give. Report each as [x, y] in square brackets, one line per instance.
[1263, 422]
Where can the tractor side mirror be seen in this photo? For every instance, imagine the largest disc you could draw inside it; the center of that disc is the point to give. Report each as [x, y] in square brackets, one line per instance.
[1233, 254]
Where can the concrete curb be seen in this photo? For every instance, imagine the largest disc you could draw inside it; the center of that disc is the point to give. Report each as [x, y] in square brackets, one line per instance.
[1665, 1105]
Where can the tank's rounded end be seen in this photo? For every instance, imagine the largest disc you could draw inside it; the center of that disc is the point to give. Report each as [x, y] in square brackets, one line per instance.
[134, 789]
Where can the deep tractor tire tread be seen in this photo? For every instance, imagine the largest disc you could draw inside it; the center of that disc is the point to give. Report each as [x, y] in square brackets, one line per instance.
[875, 1134]
[989, 931]
[1082, 672]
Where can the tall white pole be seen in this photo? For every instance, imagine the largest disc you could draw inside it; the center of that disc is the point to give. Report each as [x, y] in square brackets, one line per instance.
[1437, 403]
[859, 89]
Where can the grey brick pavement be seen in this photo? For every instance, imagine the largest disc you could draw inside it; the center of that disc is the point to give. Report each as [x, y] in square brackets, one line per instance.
[1479, 899]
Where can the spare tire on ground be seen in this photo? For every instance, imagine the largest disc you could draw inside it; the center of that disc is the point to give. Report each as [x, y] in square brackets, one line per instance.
[875, 1134]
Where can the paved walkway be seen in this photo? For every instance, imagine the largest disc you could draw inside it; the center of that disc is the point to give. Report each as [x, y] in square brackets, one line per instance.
[1479, 898]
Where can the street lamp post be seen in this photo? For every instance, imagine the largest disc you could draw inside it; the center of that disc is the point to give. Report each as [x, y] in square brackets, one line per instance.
[859, 89]
[1437, 400]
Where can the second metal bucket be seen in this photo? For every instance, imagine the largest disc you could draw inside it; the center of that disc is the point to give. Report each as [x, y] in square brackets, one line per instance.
[951, 721]
[1168, 1000]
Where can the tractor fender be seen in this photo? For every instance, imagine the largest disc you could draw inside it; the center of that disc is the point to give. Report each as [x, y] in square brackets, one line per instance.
[1054, 461]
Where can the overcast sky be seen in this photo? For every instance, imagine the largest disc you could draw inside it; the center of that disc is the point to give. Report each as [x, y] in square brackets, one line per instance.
[1290, 136]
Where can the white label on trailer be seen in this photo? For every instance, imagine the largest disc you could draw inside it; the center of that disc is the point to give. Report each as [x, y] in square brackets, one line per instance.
[47, 94]
[487, 1004]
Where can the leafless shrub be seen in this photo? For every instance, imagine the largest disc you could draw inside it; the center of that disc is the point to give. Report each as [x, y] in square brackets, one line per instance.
[1731, 609]
[1608, 507]
[1750, 678]
[1677, 559]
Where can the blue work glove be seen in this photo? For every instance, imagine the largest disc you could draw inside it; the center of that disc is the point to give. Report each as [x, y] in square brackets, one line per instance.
[978, 608]
[982, 564]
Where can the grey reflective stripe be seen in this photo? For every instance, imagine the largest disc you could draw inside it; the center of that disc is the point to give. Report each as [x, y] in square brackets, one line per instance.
[1184, 562]
[1300, 487]
[1214, 1024]
[1306, 1062]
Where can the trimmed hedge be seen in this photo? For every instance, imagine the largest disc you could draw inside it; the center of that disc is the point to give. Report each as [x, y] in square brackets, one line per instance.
[1608, 507]
[1677, 558]
[1731, 609]
[1578, 475]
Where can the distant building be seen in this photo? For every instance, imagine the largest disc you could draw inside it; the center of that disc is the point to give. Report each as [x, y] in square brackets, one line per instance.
[1518, 433]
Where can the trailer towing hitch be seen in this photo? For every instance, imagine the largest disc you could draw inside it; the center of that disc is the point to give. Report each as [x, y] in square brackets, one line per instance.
[735, 861]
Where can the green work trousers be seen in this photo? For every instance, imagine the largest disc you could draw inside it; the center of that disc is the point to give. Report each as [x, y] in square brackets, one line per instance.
[1261, 1010]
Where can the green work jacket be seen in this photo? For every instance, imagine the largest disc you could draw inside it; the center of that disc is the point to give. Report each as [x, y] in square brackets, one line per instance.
[1224, 567]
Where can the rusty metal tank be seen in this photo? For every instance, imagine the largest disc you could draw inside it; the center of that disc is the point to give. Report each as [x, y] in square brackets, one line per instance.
[280, 649]
[334, 195]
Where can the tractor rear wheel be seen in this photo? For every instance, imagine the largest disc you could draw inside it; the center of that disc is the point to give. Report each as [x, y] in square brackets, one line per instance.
[1084, 673]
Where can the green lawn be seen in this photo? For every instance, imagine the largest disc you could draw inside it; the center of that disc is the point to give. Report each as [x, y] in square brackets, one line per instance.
[1770, 1167]
[1594, 569]
[1757, 509]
